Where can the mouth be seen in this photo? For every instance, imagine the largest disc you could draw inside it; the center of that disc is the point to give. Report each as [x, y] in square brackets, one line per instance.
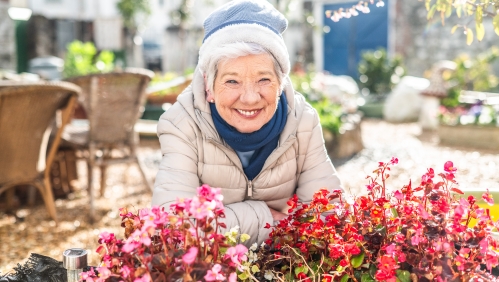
[248, 113]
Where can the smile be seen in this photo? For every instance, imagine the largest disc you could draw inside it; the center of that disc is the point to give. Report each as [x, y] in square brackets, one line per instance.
[248, 113]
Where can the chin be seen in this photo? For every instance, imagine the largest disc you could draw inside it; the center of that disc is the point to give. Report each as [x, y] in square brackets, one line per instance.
[248, 129]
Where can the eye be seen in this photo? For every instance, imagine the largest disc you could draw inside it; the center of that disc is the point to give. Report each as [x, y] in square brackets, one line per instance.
[264, 81]
[231, 81]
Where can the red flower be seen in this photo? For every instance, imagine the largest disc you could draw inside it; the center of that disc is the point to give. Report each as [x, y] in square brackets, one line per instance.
[303, 277]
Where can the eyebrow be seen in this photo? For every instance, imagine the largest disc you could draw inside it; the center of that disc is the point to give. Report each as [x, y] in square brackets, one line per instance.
[259, 73]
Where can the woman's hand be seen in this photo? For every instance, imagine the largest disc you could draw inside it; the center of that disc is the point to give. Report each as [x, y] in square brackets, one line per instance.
[277, 215]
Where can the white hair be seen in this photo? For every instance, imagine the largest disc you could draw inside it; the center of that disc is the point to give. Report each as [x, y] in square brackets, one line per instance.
[236, 50]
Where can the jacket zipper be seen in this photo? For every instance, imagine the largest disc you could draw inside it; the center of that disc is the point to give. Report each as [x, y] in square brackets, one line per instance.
[250, 188]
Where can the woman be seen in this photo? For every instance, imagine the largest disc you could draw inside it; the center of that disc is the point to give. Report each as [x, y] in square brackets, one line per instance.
[241, 127]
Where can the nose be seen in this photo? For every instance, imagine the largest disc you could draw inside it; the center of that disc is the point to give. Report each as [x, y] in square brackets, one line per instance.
[250, 94]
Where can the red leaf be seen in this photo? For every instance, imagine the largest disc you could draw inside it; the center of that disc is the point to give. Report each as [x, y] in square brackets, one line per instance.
[457, 191]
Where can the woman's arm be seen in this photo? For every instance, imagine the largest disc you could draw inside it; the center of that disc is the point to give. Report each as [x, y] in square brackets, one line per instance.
[317, 170]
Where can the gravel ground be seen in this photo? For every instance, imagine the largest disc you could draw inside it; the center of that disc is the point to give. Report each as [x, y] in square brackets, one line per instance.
[31, 231]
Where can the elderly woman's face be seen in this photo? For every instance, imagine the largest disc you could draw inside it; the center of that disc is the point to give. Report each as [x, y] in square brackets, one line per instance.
[246, 91]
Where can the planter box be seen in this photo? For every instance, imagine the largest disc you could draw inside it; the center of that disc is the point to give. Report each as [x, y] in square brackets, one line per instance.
[474, 136]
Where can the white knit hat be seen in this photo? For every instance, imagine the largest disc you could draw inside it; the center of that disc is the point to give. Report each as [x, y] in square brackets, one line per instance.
[251, 21]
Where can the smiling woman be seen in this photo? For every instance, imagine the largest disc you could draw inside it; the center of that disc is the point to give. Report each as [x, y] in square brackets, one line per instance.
[241, 127]
[246, 92]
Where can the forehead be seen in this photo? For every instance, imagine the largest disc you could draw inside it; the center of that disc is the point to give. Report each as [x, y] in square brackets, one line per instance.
[249, 64]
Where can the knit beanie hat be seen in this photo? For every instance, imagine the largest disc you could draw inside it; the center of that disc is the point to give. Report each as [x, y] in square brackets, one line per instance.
[250, 21]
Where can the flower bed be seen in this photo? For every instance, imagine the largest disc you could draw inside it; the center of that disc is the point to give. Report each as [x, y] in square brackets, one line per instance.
[420, 232]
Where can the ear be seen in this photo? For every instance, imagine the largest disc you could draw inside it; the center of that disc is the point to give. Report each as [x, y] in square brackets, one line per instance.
[209, 96]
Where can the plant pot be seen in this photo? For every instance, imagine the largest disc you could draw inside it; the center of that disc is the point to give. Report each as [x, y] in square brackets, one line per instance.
[346, 143]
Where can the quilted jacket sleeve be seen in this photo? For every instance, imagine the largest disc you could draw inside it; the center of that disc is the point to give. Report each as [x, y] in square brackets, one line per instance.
[177, 176]
[318, 170]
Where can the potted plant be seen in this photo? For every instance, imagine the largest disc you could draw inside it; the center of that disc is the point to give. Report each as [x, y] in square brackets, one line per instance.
[378, 73]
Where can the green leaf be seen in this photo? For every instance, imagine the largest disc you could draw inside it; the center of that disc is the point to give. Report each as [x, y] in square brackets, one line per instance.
[366, 278]
[480, 31]
[318, 243]
[372, 270]
[495, 22]
[454, 28]
[243, 276]
[394, 212]
[255, 269]
[344, 278]
[306, 219]
[469, 36]
[431, 12]
[403, 275]
[299, 269]
[357, 260]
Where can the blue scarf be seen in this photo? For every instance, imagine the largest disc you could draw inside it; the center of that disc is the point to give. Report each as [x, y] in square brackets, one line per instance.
[262, 141]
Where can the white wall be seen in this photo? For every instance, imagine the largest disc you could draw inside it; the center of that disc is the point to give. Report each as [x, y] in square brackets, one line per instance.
[86, 10]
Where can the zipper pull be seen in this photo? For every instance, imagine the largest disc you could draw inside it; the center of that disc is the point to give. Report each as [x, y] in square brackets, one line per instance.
[250, 189]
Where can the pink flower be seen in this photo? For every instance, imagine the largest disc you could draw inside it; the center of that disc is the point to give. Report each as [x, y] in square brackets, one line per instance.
[491, 259]
[237, 254]
[129, 246]
[190, 256]
[488, 198]
[125, 271]
[89, 275]
[391, 249]
[394, 160]
[137, 238]
[214, 274]
[104, 272]
[233, 277]
[449, 167]
[398, 195]
[106, 237]
[422, 212]
[145, 278]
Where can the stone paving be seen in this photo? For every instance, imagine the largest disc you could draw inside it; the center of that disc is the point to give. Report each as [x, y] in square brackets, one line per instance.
[30, 230]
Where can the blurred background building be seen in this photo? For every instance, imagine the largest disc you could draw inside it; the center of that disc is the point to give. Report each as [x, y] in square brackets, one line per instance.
[169, 37]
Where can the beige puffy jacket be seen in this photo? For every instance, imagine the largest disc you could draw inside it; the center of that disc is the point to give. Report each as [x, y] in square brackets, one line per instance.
[194, 154]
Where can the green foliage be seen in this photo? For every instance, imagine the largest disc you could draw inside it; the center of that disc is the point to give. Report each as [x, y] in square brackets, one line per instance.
[378, 73]
[129, 9]
[82, 58]
[472, 74]
[329, 113]
[470, 11]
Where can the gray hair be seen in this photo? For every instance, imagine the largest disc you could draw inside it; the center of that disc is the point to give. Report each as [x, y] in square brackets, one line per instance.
[236, 50]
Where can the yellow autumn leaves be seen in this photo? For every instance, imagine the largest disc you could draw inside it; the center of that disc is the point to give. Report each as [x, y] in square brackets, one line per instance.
[473, 11]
